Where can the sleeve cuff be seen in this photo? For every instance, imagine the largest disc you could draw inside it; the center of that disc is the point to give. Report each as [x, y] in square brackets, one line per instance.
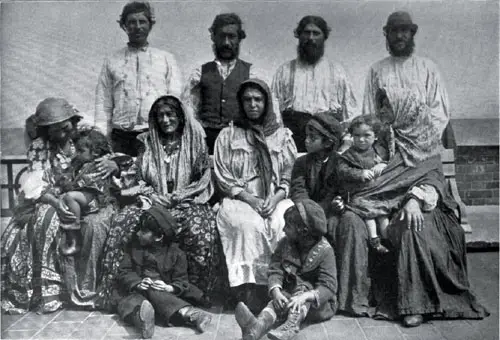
[270, 290]
[235, 191]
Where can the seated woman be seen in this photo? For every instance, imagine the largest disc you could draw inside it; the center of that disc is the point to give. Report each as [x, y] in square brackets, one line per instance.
[253, 164]
[34, 275]
[173, 171]
[428, 253]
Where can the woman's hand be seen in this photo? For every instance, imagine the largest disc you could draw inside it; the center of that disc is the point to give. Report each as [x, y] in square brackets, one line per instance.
[297, 301]
[164, 200]
[279, 299]
[413, 215]
[144, 284]
[255, 202]
[160, 285]
[65, 215]
[269, 205]
[106, 167]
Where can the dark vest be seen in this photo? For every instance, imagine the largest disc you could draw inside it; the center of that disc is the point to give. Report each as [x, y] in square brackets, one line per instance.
[219, 105]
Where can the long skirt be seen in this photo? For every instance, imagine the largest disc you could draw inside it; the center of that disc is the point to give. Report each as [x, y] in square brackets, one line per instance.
[35, 276]
[425, 272]
[197, 236]
[249, 240]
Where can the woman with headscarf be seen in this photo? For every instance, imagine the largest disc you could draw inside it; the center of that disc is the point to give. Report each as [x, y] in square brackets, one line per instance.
[34, 275]
[253, 163]
[428, 253]
[172, 171]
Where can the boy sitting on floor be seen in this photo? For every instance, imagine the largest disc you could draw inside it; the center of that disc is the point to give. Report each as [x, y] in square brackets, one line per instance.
[302, 277]
[153, 278]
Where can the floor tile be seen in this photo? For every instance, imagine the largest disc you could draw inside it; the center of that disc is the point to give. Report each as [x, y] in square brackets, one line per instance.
[457, 330]
[94, 327]
[227, 328]
[369, 322]
[426, 331]
[383, 333]
[59, 330]
[33, 321]
[73, 316]
[26, 334]
[315, 331]
[347, 329]
[9, 320]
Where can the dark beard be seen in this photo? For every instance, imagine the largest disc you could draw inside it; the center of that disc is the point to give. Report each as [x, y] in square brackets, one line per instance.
[310, 53]
[235, 52]
[406, 52]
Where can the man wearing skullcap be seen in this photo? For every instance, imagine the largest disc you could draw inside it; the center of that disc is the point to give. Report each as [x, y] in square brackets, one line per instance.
[302, 278]
[131, 79]
[311, 83]
[404, 69]
[153, 279]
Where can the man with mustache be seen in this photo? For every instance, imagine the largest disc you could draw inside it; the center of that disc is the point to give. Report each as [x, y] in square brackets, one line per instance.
[211, 88]
[312, 84]
[406, 70]
[131, 79]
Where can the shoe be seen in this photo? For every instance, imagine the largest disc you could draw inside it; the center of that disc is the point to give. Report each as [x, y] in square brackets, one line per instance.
[144, 319]
[413, 320]
[198, 318]
[378, 246]
[288, 329]
[253, 328]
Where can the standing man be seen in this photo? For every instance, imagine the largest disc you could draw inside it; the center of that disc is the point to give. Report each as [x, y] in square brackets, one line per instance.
[211, 88]
[312, 84]
[404, 69]
[131, 79]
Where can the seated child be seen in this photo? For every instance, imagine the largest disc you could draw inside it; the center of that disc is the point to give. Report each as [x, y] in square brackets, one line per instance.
[302, 277]
[152, 278]
[363, 162]
[84, 190]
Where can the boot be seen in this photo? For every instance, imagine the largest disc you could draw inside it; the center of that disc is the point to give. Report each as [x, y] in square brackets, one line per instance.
[378, 246]
[288, 329]
[253, 328]
[198, 318]
[144, 319]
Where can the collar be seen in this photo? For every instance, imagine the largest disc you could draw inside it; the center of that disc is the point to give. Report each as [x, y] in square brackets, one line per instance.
[142, 48]
[223, 63]
[306, 65]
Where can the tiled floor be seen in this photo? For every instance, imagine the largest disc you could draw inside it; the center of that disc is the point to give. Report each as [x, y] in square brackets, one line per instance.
[67, 324]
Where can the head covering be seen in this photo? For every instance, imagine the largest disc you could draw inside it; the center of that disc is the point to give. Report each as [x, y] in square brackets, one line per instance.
[415, 132]
[315, 20]
[400, 19]
[164, 220]
[327, 126]
[48, 112]
[257, 131]
[312, 216]
[192, 149]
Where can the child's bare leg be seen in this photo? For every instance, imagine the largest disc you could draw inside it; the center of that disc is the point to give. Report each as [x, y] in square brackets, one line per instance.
[374, 239]
[372, 228]
[76, 202]
[383, 222]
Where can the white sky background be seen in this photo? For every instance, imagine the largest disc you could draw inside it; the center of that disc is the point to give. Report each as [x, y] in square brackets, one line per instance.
[57, 48]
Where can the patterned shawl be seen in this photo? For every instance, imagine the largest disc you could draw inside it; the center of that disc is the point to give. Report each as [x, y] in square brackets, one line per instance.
[415, 132]
[256, 132]
[192, 176]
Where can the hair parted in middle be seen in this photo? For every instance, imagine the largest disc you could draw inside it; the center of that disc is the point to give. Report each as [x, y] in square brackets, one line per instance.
[225, 19]
[371, 120]
[315, 20]
[137, 7]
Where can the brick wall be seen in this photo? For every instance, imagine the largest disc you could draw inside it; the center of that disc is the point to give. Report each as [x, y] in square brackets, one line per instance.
[477, 174]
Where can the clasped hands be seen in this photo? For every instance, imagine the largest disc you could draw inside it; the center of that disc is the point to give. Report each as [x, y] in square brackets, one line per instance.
[159, 285]
[263, 207]
[370, 174]
[294, 303]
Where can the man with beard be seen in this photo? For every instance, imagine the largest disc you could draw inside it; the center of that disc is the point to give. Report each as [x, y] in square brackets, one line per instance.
[211, 88]
[131, 79]
[312, 84]
[405, 70]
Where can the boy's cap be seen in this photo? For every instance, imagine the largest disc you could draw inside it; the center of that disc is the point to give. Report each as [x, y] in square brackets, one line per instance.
[327, 125]
[312, 215]
[164, 219]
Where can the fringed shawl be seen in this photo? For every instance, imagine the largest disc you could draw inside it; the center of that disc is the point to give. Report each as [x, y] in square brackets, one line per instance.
[192, 175]
[415, 132]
